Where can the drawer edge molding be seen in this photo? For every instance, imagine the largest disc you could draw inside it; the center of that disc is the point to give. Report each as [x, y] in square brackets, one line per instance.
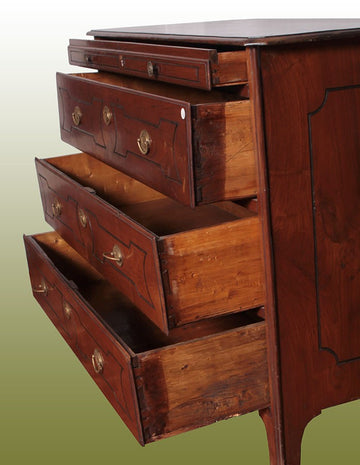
[41, 265]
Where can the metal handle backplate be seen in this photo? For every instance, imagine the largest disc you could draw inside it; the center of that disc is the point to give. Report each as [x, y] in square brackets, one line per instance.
[144, 142]
[56, 208]
[42, 288]
[76, 116]
[107, 115]
[97, 361]
[116, 255]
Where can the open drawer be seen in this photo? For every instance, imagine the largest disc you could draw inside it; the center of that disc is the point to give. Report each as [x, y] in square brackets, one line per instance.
[160, 385]
[202, 68]
[192, 145]
[175, 263]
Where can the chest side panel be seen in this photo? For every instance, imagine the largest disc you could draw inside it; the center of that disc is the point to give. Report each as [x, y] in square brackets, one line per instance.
[311, 108]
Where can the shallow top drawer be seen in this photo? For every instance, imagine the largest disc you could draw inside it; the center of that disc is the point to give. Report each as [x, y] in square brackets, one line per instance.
[202, 68]
[192, 145]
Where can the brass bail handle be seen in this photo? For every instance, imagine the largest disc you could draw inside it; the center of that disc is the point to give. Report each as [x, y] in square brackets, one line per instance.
[42, 288]
[82, 217]
[56, 208]
[115, 256]
[97, 361]
[144, 142]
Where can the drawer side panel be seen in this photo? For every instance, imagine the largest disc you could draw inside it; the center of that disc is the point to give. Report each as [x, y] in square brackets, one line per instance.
[213, 271]
[200, 382]
[224, 159]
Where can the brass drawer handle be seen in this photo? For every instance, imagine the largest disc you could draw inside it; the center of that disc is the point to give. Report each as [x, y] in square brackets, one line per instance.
[82, 217]
[97, 361]
[42, 288]
[144, 142]
[76, 116]
[67, 310]
[107, 115]
[56, 208]
[116, 255]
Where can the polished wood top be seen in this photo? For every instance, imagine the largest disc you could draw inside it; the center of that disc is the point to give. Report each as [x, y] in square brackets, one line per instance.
[238, 32]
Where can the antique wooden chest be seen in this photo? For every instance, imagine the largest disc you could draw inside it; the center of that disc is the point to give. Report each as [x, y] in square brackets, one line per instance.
[204, 262]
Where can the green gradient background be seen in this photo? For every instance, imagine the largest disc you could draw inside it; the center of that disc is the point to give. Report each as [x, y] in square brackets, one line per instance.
[51, 412]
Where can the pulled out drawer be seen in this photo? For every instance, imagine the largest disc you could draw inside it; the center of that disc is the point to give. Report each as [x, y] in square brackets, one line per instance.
[175, 263]
[160, 385]
[202, 68]
[194, 146]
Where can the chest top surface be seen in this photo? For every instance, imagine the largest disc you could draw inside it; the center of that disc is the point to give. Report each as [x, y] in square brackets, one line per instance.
[238, 32]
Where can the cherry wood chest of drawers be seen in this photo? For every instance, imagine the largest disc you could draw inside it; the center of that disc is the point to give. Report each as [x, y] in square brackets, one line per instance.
[205, 259]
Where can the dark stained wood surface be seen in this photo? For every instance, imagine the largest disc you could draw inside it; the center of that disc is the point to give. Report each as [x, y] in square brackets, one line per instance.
[176, 266]
[177, 121]
[238, 32]
[160, 385]
[271, 416]
[311, 105]
[186, 66]
[81, 329]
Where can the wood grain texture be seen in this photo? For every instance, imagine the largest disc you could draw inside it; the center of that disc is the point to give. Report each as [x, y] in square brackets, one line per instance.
[312, 179]
[84, 333]
[223, 151]
[187, 66]
[210, 130]
[231, 68]
[178, 386]
[213, 271]
[138, 276]
[271, 416]
[199, 275]
[201, 382]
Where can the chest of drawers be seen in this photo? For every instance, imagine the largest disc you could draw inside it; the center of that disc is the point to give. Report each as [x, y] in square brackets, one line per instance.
[205, 259]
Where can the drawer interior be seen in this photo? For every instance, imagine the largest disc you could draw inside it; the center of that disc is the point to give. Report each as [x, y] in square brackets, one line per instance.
[129, 325]
[193, 96]
[156, 212]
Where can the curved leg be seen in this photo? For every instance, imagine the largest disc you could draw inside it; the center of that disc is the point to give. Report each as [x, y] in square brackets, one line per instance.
[285, 440]
[275, 443]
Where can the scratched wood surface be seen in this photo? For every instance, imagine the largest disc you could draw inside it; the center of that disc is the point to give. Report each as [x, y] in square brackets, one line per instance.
[160, 385]
[175, 265]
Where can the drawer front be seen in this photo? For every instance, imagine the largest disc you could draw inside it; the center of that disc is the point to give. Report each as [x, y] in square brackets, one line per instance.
[108, 363]
[160, 385]
[145, 136]
[193, 67]
[118, 248]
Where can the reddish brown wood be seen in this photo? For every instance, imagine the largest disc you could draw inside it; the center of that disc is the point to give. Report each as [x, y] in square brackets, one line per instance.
[82, 330]
[159, 385]
[311, 110]
[174, 118]
[187, 66]
[224, 167]
[200, 276]
[238, 32]
[271, 416]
